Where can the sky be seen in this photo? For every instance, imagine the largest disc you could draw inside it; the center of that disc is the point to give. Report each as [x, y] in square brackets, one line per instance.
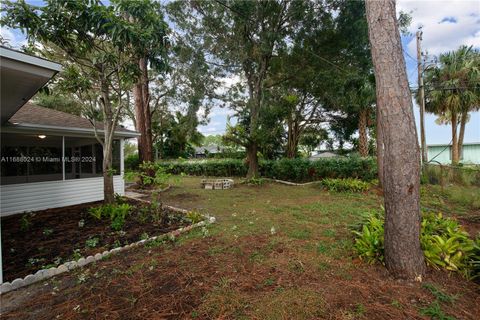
[446, 25]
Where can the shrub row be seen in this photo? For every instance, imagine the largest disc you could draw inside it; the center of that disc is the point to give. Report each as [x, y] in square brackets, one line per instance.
[297, 170]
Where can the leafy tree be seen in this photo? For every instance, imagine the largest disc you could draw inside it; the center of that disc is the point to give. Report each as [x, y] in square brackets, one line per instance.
[93, 40]
[243, 37]
[149, 48]
[452, 89]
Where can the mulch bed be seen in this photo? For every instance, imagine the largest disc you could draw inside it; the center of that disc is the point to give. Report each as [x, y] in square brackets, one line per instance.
[185, 282]
[52, 235]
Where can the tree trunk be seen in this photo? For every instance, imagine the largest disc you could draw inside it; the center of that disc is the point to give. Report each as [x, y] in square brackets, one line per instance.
[463, 123]
[380, 151]
[292, 142]
[148, 147]
[252, 159]
[139, 119]
[142, 113]
[454, 138]
[362, 132]
[109, 128]
[401, 182]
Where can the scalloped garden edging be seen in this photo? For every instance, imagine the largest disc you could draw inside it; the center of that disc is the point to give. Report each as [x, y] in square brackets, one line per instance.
[288, 183]
[44, 274]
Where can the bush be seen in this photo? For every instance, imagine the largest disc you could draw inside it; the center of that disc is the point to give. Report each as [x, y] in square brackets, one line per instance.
[345, 185]
[132, 162]
[444, 243]
[297, 170]
[115, 212]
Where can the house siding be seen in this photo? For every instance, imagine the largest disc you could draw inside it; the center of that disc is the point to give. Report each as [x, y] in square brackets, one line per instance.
[471, 154]
[18, 198]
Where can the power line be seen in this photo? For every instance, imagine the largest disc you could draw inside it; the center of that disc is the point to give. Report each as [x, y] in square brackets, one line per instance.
[251, 20]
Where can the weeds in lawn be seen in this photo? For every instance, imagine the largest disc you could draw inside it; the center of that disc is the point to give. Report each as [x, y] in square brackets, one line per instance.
[144, 236]
[345, 185]
[194, 216]
[439, 294]
[435, 312]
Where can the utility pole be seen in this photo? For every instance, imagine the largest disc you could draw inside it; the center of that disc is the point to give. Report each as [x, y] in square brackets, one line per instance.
[421, 96]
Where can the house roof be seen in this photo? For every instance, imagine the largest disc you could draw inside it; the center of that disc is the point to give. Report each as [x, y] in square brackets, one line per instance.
[210, 149]
[22, 75]
[34, 117]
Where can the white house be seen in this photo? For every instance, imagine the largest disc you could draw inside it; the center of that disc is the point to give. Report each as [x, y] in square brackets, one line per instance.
[48, 158]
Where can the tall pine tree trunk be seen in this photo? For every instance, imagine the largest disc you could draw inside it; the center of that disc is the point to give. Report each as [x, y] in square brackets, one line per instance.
[148, 147]
[362, 133]
[401, 182]
[380, 152]
[455, 157]
[142, 113]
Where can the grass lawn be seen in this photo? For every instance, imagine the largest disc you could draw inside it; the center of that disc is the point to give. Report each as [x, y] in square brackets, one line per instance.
[276, 252]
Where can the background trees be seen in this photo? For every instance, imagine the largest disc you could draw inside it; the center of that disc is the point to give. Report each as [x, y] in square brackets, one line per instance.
[452, 90]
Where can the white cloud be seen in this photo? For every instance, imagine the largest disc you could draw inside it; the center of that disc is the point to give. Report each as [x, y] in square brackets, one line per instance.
[440, 32]
[15, 41]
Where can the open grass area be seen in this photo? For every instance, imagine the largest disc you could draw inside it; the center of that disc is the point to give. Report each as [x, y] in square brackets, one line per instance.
[276, 252]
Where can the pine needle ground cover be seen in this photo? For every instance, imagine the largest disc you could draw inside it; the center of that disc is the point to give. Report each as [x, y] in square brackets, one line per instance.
[277, 252]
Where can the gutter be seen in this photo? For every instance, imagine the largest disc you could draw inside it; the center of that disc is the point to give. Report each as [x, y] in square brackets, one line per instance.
[20, 127]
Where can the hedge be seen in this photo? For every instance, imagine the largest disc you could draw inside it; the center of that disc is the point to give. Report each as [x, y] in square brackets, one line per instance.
[296, 170]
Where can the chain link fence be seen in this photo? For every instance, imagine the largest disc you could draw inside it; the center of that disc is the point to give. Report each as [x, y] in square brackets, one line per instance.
[444, 175]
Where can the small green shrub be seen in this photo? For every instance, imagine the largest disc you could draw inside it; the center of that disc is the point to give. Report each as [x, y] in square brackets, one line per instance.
[345, 185]
[25, 222]
[118, 215]
[255, 182]
[96, 212]
[444, 243]
[370, 241]
[194, 216]
[47, 232]
[92, 242]
[115, 212]
[132, 162]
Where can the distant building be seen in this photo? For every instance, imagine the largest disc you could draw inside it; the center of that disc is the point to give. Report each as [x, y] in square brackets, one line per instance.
[442, 153]
[323, 154]
[205, 151]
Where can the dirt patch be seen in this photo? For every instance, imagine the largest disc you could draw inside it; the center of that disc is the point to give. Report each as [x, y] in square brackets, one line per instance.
[471, 223]
[214, 279]
[41, 239]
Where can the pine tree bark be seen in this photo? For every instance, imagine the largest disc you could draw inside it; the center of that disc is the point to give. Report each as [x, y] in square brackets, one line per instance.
[142, 113]
[455, 157]
[401, 182]
[362, 133]
[380, 152]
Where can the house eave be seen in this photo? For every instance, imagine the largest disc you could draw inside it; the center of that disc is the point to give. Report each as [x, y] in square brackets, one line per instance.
[38, 128]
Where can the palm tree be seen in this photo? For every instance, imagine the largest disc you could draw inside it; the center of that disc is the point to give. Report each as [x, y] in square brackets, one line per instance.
[453, 90]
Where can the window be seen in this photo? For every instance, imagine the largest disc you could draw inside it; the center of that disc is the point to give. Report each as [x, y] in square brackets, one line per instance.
[30, 158]
[84, 158]
[34, 158]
